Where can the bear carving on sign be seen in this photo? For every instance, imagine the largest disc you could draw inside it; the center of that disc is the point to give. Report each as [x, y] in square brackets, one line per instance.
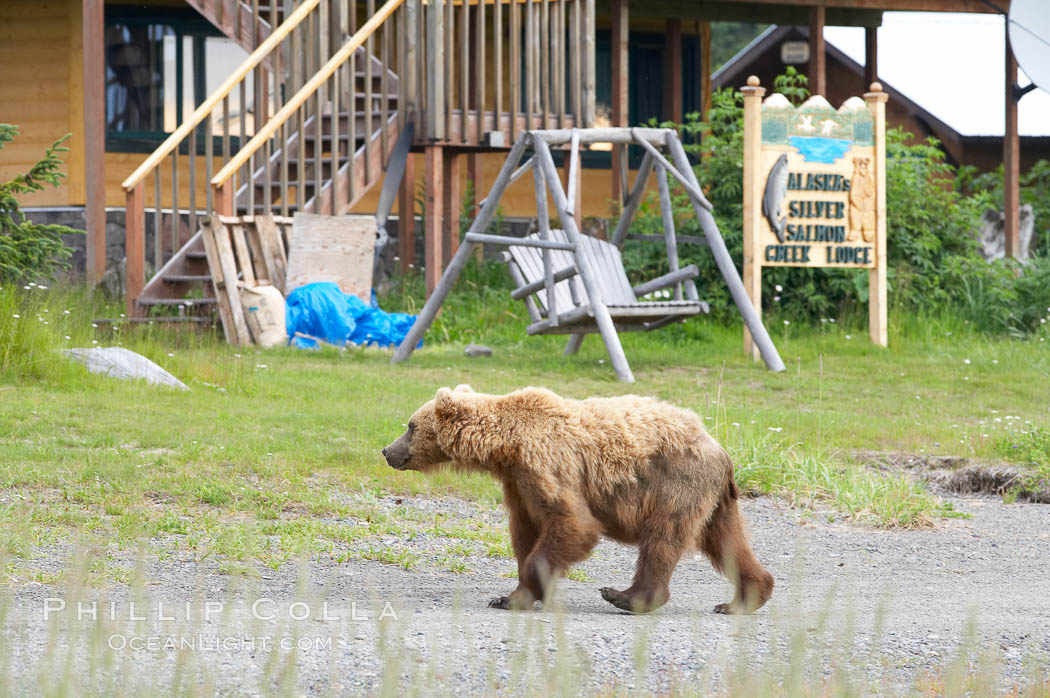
[861, 201]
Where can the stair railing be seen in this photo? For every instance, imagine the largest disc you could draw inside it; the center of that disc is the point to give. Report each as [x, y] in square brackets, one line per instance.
[324, 121]
[215, 132]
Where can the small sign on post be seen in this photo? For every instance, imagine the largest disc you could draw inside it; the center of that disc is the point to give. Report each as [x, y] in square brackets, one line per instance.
[815, 191]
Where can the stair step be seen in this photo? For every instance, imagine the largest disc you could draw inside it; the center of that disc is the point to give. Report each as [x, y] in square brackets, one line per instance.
[182, 278]
[176, 301]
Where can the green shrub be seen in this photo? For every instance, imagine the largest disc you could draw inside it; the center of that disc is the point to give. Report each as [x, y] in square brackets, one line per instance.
[28, 251]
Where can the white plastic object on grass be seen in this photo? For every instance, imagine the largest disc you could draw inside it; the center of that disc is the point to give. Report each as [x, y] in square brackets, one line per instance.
[125, 364]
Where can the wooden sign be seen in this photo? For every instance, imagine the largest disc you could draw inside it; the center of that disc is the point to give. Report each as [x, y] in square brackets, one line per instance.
[815, 190]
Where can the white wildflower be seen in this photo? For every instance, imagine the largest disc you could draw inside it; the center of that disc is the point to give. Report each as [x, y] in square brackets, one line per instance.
[15, 315]
[966, 361]
[779, 288]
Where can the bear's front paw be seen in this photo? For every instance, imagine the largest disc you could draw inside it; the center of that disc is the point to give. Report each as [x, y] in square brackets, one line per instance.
[500, 602]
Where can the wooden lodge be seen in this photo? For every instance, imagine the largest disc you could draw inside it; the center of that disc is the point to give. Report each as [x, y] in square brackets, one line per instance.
[182, 109]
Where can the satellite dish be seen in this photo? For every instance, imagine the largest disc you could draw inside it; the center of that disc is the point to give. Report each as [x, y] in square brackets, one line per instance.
[1029, 29]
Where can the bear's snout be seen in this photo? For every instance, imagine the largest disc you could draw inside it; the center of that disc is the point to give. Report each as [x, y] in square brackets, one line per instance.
[398, 453]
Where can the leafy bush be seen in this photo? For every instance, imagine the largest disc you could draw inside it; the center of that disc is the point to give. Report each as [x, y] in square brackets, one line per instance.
[932, 253]
[31, 252]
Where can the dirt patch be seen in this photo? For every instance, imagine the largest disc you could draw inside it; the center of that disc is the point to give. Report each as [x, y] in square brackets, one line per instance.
[960, 475]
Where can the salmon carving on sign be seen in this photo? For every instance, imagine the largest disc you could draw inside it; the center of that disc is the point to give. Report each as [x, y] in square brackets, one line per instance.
[814, 189]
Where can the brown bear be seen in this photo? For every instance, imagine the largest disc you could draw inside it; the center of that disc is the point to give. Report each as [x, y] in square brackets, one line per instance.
[633, 469]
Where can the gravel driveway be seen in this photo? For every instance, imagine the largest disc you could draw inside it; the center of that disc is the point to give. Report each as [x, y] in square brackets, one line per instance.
[887, 607]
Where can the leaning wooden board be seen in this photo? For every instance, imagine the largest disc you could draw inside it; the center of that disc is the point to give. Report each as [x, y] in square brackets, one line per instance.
[332, 248]
[248, 249]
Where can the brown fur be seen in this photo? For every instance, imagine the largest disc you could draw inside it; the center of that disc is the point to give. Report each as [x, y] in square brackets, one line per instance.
[633, 469]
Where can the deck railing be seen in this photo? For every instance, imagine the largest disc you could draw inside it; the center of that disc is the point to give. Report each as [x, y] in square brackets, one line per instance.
[506, 65]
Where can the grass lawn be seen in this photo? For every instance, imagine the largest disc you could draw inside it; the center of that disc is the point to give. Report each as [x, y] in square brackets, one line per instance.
[271, 452]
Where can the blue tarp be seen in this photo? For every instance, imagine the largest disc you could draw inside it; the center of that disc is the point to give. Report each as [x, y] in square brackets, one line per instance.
[322, 310]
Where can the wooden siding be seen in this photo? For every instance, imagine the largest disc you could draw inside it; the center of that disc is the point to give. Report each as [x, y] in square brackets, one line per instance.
[40, 49]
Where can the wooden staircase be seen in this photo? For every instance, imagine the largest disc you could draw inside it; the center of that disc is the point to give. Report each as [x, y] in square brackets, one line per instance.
[331, 128]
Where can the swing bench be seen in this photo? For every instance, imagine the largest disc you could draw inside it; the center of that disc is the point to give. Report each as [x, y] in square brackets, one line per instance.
[576, 284]
[569, 310]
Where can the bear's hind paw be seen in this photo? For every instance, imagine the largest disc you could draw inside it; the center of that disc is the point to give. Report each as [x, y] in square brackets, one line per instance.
[509, 603]
[730, 609]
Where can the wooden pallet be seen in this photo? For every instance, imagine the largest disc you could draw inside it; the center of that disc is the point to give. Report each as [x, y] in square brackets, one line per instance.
[248, 249]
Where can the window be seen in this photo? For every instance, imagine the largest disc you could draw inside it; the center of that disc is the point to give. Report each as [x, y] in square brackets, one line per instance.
[160, 64]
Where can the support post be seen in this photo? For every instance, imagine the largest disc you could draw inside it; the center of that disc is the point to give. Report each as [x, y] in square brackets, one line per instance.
[434, 301]
[705, 68]
[817, 71]
[435, 48]
[634, 199]
[135, 248]
[602, 318]
[877, 308]
[409, 71]
[670, 238]
[871, 55]
[619, 114]
[673, 71]
[94, 75]
[1011, 158]
[589, 79]
[406, 211]
[474, 177]
[453, 199]
[725, 262]
[433, 247]
[753, 95]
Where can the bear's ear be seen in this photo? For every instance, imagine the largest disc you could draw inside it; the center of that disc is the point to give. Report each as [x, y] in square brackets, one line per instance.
[445, 405]
[463, 388]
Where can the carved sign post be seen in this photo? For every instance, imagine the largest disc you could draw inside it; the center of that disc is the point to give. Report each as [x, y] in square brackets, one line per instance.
[815, 191]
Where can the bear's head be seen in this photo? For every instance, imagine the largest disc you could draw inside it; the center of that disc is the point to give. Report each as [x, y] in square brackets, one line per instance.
[860, 166]
[424, 444]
